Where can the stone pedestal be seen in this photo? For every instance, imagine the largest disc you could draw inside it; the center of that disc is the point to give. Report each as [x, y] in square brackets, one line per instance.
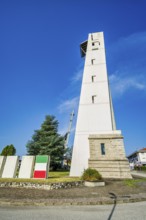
[93, 184]
[111, 161]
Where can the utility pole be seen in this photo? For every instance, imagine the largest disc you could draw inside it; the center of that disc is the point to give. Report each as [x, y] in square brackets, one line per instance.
[69, 129]
[66, 137]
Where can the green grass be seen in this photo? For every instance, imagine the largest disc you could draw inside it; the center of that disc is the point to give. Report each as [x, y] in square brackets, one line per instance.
[54, 177]
[133, 182]
[58, 174]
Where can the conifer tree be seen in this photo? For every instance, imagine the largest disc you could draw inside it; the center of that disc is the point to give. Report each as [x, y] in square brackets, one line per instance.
[47, 141]
[9, 150]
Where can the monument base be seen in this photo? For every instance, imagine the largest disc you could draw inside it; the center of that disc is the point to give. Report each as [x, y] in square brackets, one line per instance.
[107, 156]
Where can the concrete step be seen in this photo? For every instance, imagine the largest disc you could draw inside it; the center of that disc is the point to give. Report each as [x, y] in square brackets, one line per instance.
[111, 168]
[115, 169]
[108, 165]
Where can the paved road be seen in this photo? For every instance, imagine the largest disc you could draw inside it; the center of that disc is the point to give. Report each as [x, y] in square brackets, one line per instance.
[129, 211]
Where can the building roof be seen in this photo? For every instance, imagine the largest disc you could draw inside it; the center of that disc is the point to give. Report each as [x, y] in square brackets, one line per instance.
[143, 150]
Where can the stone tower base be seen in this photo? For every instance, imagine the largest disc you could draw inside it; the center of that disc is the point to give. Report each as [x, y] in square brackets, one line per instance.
[107, 155]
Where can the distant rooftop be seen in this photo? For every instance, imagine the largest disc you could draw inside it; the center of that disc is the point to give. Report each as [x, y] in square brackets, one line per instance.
[143, 150]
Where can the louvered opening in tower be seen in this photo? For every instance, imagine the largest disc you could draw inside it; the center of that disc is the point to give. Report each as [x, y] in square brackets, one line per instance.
[83, 48]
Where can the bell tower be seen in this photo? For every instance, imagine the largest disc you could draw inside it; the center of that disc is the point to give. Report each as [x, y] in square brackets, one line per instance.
[95, 120]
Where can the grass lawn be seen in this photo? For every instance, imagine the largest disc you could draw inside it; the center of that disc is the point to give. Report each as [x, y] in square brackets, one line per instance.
[63, 176]
[58, 174]
[134, 182]
[53, 177]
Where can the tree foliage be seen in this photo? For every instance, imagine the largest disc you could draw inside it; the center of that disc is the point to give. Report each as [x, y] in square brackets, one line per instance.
[47, 141]
[9, 150]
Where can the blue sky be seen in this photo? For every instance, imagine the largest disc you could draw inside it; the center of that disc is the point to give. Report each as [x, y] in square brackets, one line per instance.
[41, 67]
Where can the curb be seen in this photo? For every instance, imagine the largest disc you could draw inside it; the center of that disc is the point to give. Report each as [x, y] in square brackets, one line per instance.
[74, 202]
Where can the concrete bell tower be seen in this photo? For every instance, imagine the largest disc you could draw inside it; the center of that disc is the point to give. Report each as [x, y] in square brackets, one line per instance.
[96, 139]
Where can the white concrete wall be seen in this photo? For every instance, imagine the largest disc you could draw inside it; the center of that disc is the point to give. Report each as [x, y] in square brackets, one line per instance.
[2, 163]
[142, 157]
[41, 166]
[27, 166]
[92, 118]
[10, 167]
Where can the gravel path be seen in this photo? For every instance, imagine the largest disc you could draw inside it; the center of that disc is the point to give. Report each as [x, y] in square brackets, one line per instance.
[114, 190]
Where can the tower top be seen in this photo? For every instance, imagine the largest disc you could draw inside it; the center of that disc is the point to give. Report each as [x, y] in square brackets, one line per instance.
[95, 39]
[83, 48]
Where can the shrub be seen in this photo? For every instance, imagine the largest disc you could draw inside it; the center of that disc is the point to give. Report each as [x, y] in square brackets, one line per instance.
[55, 165]
[91, 175]
[143, 168]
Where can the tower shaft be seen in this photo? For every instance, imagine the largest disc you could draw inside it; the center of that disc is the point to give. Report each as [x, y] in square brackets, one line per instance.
[95, 113]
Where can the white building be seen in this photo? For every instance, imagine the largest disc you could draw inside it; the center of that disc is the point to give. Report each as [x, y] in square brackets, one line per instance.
[95, 113]
[138, 157]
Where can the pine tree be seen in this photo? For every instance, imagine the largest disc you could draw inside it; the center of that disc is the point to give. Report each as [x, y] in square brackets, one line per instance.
[47, 141]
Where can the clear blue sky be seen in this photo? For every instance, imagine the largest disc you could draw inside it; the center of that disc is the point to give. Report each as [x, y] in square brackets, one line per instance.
[41, 67]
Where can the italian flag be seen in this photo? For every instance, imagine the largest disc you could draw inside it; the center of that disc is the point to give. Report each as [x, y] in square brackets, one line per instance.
[41, 167]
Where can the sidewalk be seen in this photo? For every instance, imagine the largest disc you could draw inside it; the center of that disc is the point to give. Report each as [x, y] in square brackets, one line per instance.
[109, 199]
[138, 173]
[114, 191]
